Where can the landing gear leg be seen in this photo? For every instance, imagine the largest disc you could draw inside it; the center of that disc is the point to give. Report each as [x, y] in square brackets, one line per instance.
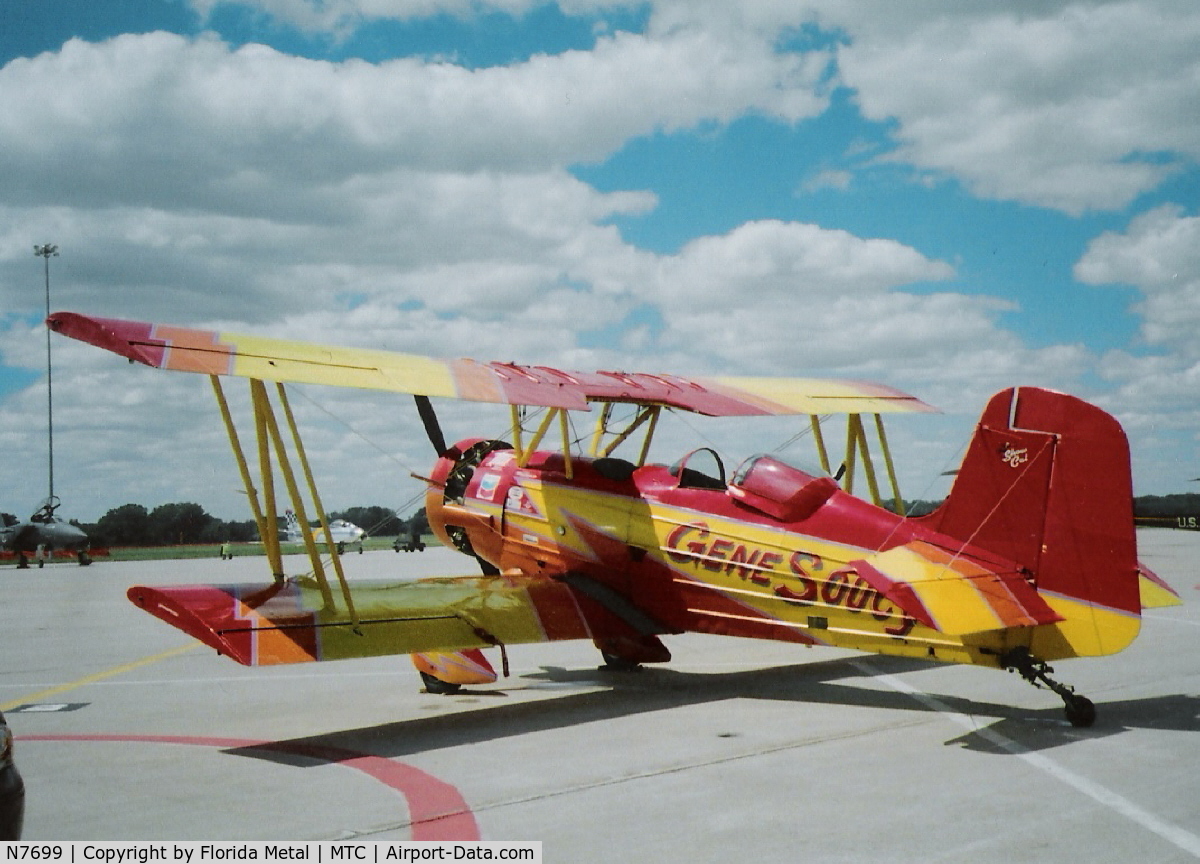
[1079, 709]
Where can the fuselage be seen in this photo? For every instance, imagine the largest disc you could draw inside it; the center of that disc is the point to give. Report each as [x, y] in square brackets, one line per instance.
[765, 554]
[344, 532]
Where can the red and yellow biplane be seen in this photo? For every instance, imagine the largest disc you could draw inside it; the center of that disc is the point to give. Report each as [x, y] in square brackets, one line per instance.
[1032, 558]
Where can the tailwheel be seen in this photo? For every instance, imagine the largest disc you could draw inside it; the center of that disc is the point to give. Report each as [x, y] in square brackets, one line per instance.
[1080, 711]
[437, 686]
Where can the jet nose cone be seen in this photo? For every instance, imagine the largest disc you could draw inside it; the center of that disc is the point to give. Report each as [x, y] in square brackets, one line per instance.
[64, 533]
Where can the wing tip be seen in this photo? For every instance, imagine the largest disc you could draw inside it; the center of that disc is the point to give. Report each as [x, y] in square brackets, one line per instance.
[129, 339]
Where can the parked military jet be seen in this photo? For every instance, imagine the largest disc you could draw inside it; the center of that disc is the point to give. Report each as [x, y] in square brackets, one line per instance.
[46, 532]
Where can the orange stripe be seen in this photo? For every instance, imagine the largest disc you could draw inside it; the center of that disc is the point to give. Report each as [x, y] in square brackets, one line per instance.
[475, 382]
[1004, 604]
[195, 351]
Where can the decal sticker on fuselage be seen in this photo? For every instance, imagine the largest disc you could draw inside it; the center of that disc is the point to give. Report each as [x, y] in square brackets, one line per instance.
[488, 483]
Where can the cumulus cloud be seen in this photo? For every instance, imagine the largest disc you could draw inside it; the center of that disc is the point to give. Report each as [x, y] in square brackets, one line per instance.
[247, 175]
[221, 124]
[1071, 105]
[775, 258]
[1154, 394]
[798, 299]
[1159, 254]
[1075, 105]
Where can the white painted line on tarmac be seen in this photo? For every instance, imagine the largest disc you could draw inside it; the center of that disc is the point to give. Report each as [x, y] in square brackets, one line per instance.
[1171, 620]
[99, 676]
[1173, 834]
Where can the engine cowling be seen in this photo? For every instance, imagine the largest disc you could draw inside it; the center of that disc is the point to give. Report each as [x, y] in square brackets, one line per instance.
[455, 525]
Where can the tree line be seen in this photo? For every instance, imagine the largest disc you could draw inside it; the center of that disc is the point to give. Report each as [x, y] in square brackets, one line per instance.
[187, 523]
[1167, 506]
[1144, 506]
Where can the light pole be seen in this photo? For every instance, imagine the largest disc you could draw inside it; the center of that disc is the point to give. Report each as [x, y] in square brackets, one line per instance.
[45, 251]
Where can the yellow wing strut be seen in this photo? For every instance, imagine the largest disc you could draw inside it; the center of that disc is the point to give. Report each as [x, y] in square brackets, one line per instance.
[269, 535]
[270, 440]
[857, 446]
[316, 498]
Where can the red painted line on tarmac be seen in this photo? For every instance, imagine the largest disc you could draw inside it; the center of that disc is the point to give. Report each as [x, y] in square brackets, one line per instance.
[436, 809]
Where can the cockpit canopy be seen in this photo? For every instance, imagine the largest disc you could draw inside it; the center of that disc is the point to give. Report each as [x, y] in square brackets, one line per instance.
[779, 490]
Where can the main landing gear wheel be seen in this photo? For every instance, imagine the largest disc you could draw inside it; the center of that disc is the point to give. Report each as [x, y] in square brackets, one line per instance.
[615, 663]
[437, 686]
[1080, 711]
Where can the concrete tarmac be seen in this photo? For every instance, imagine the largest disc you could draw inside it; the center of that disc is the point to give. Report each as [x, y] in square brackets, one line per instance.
[736, 751]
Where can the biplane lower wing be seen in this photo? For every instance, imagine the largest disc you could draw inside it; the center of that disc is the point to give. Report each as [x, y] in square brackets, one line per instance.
[287, 622]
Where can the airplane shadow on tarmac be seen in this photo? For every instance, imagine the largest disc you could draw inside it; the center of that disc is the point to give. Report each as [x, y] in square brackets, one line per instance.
[1010, 730]
[1043, 729]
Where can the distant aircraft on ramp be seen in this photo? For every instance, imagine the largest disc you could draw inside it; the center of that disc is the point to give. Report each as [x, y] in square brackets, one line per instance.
[342, 532]
[46, 531]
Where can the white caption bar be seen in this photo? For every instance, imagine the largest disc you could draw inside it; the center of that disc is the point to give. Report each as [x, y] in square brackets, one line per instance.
[316, 852]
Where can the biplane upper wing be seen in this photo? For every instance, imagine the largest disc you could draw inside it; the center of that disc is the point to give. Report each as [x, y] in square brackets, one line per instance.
[951, 594]
[218, 353]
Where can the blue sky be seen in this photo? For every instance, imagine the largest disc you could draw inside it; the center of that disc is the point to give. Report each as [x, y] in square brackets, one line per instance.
[951, 198]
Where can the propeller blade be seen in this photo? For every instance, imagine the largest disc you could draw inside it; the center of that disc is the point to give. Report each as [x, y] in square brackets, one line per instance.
[432, 428]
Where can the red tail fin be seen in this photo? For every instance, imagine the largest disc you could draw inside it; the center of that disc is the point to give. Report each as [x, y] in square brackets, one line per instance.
[1046, 483]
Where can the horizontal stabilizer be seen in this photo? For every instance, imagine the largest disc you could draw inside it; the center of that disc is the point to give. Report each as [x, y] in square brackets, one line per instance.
[953, 595]
[1155, 593]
